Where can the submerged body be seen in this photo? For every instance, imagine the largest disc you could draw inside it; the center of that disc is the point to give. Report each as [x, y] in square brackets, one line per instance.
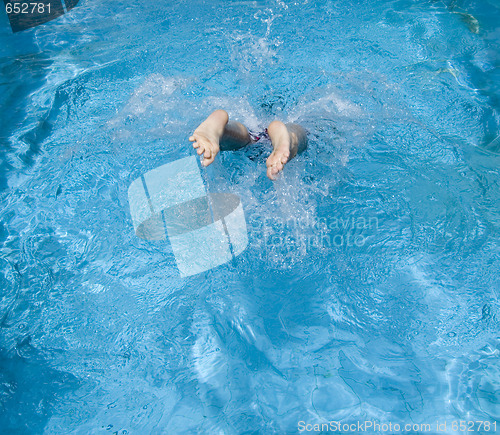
[218, 133]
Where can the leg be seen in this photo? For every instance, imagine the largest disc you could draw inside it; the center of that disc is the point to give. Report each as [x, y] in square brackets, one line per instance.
[216, 133]
[235, 136]
[287, 140]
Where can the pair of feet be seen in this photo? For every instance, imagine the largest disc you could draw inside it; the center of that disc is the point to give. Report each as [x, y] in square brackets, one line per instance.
[207, 138]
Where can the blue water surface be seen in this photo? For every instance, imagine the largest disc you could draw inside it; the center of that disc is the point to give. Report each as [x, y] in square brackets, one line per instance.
[369, 289]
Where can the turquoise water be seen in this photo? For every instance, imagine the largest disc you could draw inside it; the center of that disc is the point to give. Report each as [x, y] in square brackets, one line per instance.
[369, 288]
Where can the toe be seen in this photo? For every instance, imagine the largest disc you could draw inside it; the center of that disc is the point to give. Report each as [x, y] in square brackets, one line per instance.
[272, 171]
[270, 160]
[208, 161]
[270, 174]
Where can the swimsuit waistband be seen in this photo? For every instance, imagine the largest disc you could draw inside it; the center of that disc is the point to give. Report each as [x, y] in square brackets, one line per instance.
[258, 136]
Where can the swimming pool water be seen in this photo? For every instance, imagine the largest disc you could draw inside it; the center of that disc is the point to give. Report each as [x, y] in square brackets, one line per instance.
[369, 288]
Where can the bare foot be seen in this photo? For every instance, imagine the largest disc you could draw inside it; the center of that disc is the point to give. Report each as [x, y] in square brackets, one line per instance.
[282, 144]
[206, 137]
